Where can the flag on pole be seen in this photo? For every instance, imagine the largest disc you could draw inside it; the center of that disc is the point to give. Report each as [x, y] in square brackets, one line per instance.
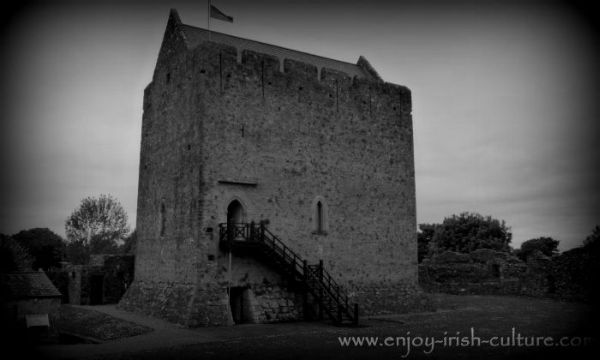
[218, 14]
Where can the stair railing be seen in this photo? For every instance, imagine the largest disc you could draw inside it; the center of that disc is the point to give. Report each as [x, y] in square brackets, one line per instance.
[314, 277]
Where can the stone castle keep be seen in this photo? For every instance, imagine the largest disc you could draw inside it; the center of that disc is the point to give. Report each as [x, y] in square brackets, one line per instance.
[274, 185]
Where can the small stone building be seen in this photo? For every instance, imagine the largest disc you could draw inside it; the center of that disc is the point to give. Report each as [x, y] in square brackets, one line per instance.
[30, 303]
[274, 185]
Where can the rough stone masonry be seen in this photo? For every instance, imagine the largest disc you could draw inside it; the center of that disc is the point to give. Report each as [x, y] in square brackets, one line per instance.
[320, 150]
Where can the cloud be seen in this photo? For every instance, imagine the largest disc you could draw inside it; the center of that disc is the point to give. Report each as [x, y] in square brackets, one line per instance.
[504, 99]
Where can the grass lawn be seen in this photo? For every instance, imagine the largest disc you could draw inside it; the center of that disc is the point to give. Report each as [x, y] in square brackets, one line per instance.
[91, 324]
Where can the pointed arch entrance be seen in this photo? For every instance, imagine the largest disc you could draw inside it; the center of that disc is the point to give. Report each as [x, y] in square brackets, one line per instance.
[235, 218]
[235, 213]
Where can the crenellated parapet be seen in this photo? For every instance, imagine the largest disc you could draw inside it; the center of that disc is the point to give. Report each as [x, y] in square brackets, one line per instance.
[218, 66]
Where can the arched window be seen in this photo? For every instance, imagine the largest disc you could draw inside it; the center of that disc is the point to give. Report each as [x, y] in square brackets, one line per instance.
[319, 214]
[163, 219]
[320, 221]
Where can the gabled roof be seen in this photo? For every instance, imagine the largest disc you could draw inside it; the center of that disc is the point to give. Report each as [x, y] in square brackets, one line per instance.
[25, 285]
[194, 36]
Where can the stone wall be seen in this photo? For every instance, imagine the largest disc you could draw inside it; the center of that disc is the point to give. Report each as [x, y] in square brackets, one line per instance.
[275, 304]
[300, 139]
[221, 124]
[168, 254]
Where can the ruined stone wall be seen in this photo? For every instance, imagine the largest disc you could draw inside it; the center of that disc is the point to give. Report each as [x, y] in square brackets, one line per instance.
[568, 276]
[483, 271]
[216, 129]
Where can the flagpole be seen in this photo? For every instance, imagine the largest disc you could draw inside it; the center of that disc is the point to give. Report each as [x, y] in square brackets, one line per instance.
[208, 18]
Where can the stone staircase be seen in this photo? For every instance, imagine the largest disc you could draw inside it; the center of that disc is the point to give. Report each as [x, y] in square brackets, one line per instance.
[323, 296]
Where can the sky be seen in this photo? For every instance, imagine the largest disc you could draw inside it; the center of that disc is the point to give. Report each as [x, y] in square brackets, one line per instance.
[504, 100]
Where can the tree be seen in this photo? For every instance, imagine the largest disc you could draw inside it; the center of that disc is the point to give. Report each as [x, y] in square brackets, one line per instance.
[78, 252]
[546, 245]
[98, 225]
[45, 247]
[424, 237]
[471, 231]
[13, 256]
[593, 241]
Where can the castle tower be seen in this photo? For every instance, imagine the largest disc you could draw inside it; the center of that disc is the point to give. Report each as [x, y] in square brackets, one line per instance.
[318, 151]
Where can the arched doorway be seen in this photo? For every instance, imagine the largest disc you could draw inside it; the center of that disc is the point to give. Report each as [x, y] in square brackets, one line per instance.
[235, 213]
[235, 217]
[240, 303]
